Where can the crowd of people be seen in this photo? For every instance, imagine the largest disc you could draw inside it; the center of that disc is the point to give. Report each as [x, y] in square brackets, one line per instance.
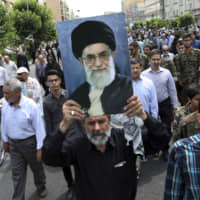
[107, 160]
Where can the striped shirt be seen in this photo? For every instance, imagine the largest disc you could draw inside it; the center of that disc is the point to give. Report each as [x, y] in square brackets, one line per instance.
[183, 173]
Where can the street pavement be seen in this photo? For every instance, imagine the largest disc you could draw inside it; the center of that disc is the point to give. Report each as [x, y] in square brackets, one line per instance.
[150, 186]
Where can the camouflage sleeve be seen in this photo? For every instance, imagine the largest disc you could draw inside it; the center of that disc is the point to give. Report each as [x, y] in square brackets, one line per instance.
[175, 129]
[177, 64]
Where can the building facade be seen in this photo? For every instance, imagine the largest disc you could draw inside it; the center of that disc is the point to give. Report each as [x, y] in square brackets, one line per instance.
[154, 8]
[134, 9]
[59, 9]
[174, 8]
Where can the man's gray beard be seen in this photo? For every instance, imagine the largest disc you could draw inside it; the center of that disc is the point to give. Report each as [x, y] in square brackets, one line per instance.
[99, 140]
[100, 79]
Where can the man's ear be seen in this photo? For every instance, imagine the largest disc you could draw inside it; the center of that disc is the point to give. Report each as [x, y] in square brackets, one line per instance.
[81, 60]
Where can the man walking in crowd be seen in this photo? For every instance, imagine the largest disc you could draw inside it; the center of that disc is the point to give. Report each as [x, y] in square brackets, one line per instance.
[147, 51]
[166, 91]
[166, 53]
[104, 160]
[23, 133]
[134, 53]
[53, 103]
[187, 65]
[10, 67]
[183, 178]
[163, 41]
[144, 89]
[3, 79]
[30, 87]
[184, 124]
[22, 60]
[40, 70]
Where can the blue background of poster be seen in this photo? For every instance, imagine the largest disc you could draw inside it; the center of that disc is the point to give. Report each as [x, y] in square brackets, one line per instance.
[73, 70]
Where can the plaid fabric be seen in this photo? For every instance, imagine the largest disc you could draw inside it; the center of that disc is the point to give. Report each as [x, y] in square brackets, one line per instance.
[183, 172]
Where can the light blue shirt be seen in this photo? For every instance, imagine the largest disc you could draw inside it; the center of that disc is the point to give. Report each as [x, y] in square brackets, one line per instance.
[22, 122]
[145, 90]
[164, 83]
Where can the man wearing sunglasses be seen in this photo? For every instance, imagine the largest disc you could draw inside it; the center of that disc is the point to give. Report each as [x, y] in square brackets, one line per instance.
[105, 91]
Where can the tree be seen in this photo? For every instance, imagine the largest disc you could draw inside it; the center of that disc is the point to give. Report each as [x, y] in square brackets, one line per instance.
[7, 31]
[36, 21]
[186, 20]
[156, 23]
[137, 24]
[175, 23]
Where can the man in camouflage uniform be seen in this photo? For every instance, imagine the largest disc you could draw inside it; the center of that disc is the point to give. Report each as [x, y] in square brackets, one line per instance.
[169, 64]
[180, 49]
[187, 65]
[184, 124]
[134, 53]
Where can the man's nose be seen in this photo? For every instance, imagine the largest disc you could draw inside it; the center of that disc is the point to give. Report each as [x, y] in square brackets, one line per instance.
[96, 126]
[98, 61]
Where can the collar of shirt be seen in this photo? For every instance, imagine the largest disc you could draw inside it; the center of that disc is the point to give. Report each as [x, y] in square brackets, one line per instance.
[21, 102]
[140, 79]
[63, 94]
[159, 70]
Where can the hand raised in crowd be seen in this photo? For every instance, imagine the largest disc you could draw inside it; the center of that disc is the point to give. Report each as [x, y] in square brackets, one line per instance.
[134, 107]
[71, 111]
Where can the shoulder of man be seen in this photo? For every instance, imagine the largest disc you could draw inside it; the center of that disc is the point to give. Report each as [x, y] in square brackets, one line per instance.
[187, 143]
[29, 101]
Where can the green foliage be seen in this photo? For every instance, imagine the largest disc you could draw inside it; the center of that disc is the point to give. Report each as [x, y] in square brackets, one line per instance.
[137, 24]
[186, 20]
[127, 22]
[7, 31]
[156, 23]
[36, 21]
[175, 23]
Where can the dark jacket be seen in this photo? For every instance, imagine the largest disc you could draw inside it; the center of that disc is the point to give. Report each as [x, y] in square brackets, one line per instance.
[101, 176]
[22, 61]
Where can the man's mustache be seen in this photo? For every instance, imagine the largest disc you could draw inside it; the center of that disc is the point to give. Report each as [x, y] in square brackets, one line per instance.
[98, 68]
[97, 133]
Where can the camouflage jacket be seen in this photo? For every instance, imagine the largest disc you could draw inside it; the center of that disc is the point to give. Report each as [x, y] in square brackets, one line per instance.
[169, 64]
[184, 124]
[187, 66]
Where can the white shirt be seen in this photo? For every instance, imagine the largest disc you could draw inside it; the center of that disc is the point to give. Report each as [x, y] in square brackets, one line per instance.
[32, 89]
[11, 69]
[3, 76]
[169, 56]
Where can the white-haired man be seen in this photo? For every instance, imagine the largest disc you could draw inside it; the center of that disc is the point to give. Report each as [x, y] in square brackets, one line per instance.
[104, 91]
[23, 133]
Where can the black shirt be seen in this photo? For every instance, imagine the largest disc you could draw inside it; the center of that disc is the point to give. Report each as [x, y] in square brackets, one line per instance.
[53, 112]
[98, 176]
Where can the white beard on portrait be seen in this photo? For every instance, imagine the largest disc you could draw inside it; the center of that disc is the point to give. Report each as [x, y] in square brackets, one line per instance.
[100, 79]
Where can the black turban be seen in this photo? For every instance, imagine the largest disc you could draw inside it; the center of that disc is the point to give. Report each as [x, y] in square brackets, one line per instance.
[91, 32]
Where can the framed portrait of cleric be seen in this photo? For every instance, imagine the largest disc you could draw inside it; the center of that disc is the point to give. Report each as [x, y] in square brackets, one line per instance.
[96, 64]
